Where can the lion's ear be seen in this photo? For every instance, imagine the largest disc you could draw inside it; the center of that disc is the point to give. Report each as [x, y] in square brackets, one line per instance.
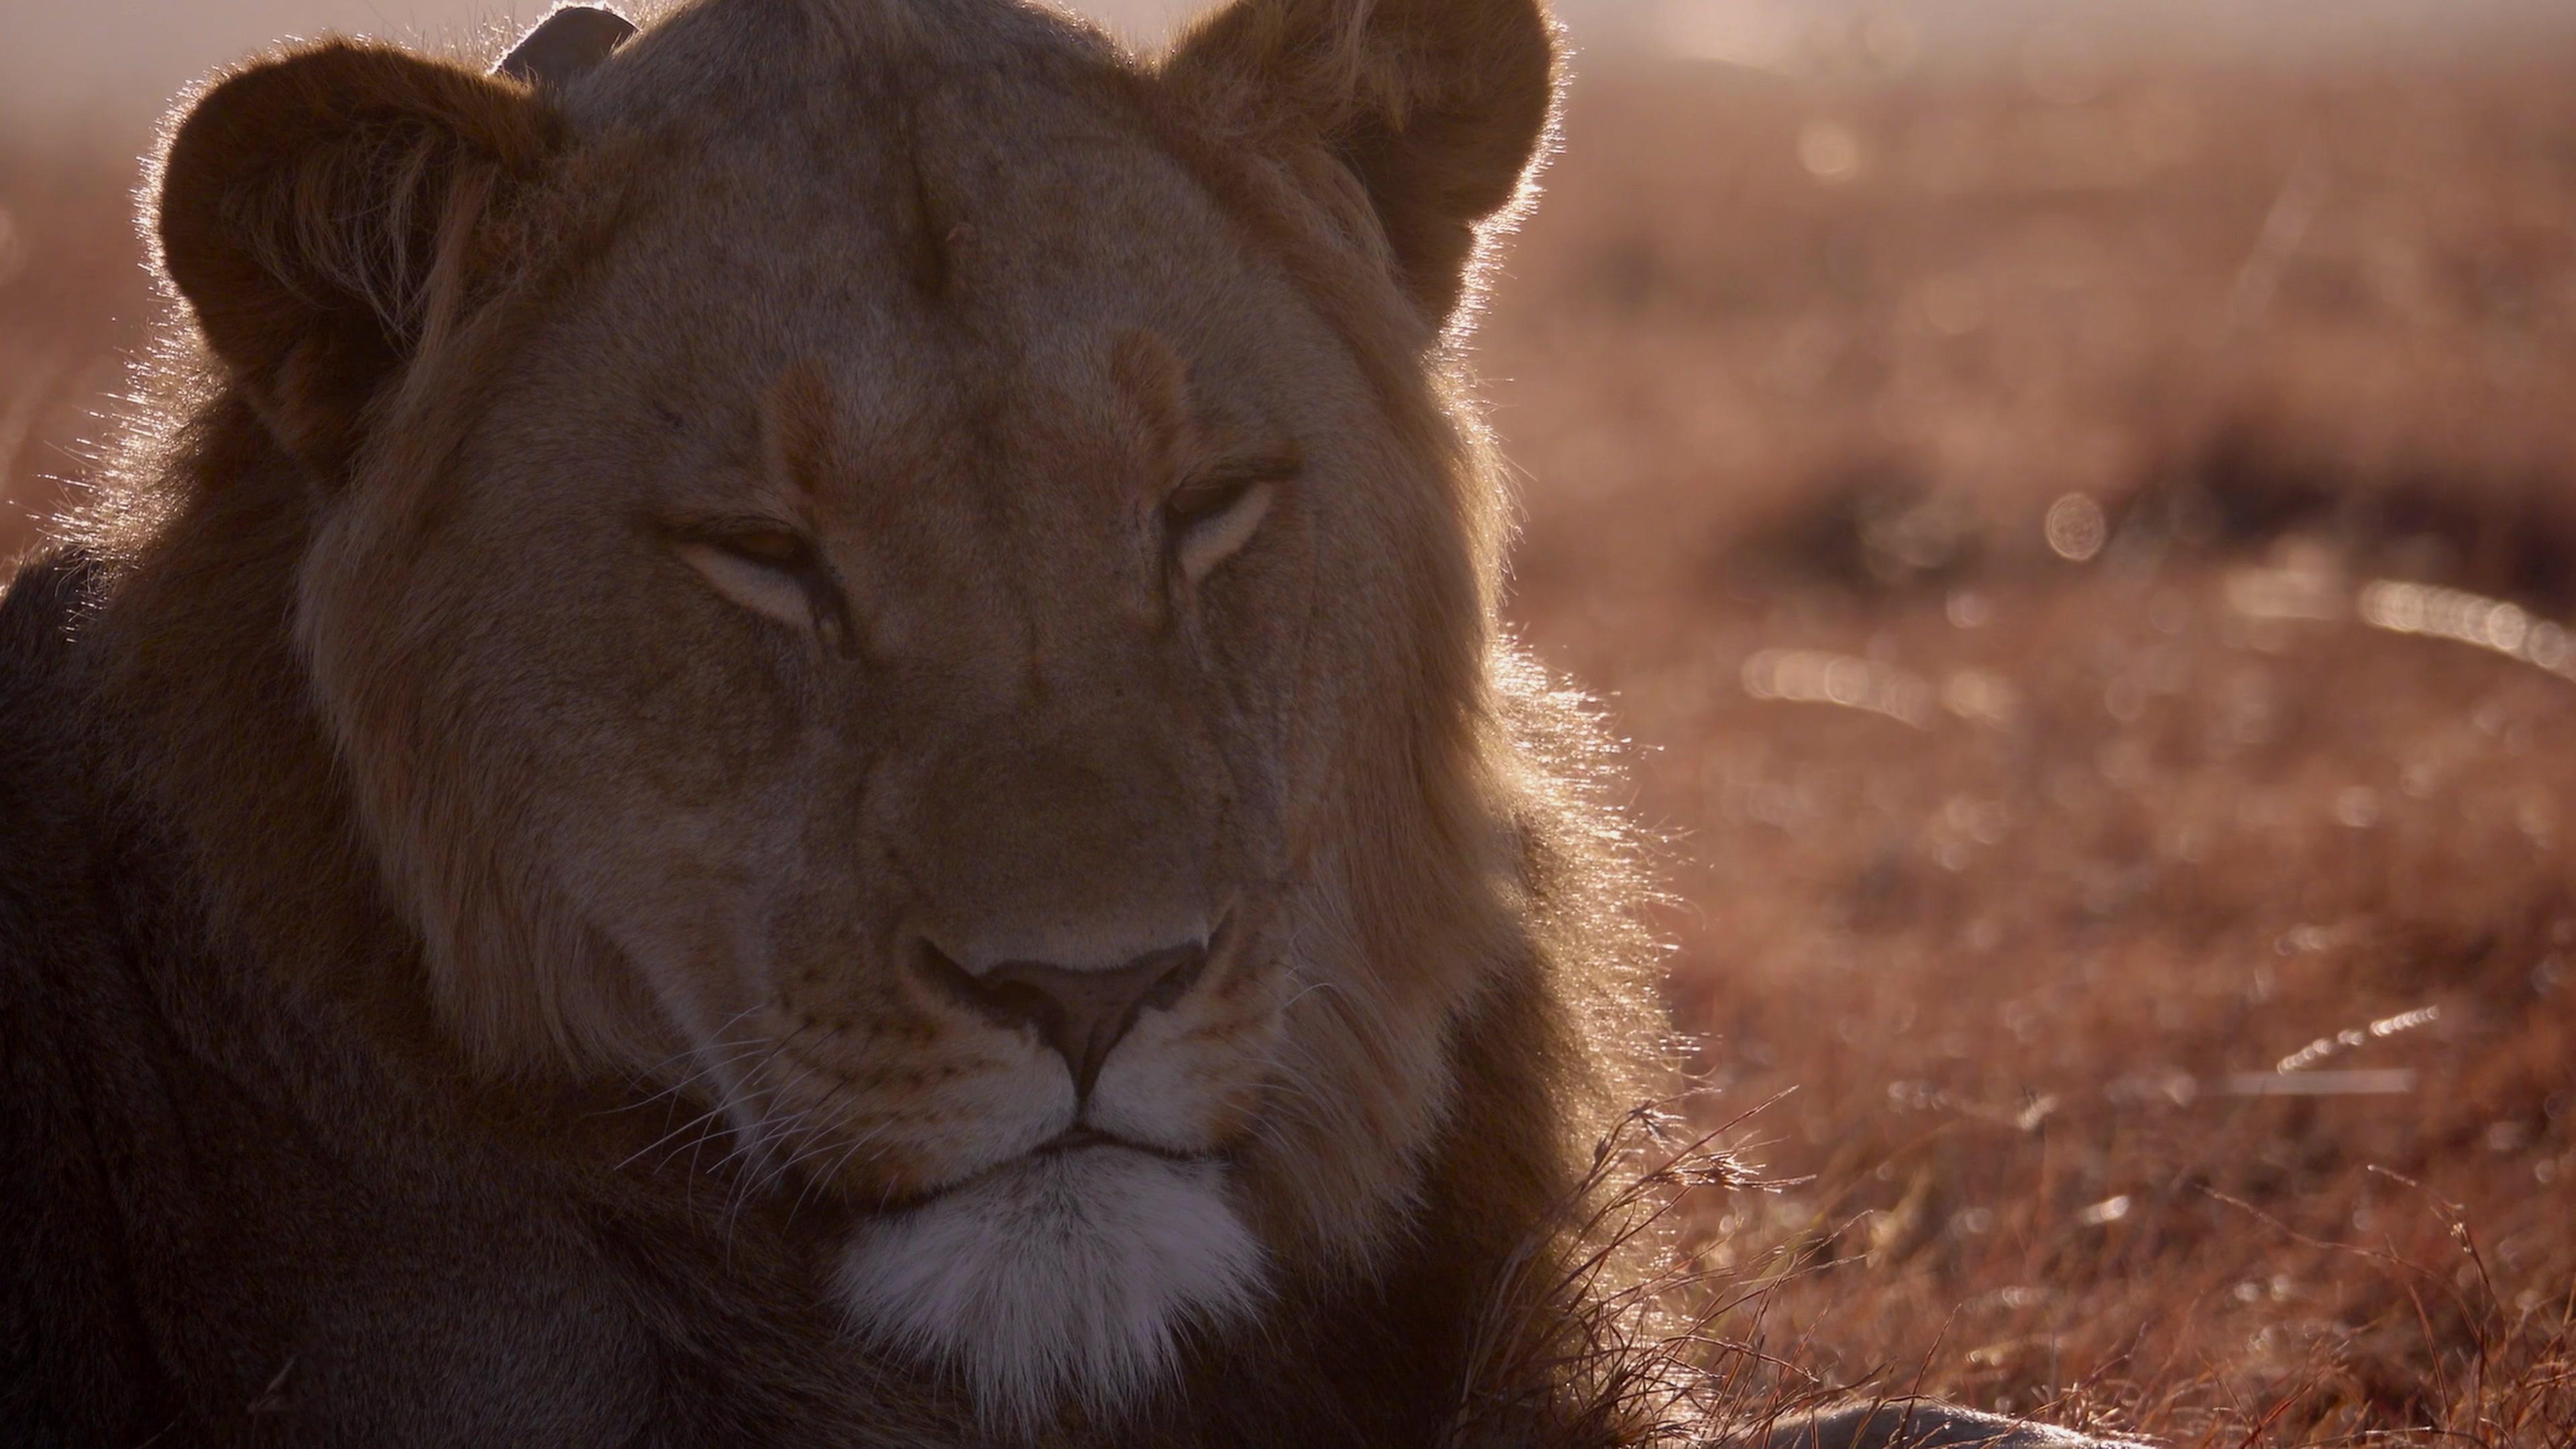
[323, 212]
[568, 43]
[1438, 107]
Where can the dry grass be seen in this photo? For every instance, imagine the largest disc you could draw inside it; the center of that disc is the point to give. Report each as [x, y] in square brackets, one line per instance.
[2088, 849]
[2173, 958]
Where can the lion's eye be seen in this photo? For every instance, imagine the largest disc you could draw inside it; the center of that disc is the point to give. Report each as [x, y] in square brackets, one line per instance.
[775, 547]
[1210, 519]
[772, 571]
[1198, 502]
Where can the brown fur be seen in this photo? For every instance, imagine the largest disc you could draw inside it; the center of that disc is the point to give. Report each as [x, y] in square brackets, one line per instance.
[325, 808]
[470, 940]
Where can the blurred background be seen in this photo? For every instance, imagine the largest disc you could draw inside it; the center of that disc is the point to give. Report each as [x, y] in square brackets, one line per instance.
[2074, 507]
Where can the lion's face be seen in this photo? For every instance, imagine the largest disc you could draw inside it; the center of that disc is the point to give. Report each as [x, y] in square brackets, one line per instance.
[931, 703]
[928, 662]
[922, 631]
[939, 688]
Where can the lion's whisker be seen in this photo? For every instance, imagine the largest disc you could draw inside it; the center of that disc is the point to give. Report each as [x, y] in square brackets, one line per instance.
[719, 1110]
[709, 1064]
[641, 1075]
[816, 1180]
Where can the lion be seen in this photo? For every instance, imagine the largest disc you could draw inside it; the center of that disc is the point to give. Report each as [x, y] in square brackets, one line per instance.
[789, 729]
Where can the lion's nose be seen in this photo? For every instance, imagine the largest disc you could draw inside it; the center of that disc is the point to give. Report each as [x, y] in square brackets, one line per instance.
[1082, 1014]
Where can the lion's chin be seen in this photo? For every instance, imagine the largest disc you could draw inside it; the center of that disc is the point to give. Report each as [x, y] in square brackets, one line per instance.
[1061, 1274]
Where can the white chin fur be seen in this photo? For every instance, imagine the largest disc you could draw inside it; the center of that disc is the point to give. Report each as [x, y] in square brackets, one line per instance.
[1068, 1274]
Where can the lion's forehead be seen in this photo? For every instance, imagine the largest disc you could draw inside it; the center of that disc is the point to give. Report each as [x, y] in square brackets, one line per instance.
[1007, 140]
[727, 60]
[1035, 251]
[966, 241]
[962, 216]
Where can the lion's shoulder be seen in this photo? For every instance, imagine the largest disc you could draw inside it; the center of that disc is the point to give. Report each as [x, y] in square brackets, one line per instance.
[67, 1344]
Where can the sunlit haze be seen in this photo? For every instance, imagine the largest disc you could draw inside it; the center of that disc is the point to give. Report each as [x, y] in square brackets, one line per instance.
[121, 58]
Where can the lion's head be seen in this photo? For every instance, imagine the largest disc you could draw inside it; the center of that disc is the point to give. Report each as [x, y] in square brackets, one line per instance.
[886, 563]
